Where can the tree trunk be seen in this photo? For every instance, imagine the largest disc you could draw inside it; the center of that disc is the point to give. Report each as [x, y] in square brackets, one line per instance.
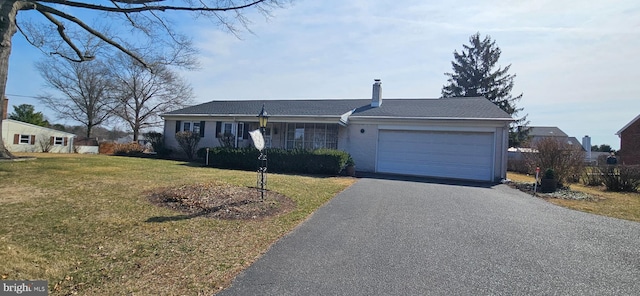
[136, 132]
[8, 11]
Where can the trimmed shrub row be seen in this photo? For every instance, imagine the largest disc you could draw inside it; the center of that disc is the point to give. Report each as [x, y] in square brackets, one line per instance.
[617, 178]
[128, 149]
[321, 161]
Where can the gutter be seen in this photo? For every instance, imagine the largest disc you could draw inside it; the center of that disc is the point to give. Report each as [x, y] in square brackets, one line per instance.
[344, 118]
[435, 118]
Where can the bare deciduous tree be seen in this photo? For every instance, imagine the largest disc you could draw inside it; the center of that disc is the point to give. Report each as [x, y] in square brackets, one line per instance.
[188, 141]
[143, 95]
[566, 160]
[45, 143]
[56, 26]
[86, 87]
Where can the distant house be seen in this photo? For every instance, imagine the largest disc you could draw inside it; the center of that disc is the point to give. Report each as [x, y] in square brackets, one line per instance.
[516, 155]
[25, 137]
[630, 142]
[537, 133]
[459, 138]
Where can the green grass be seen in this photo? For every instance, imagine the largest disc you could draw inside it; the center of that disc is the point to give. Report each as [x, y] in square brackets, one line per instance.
[81, 222]
[622, 205]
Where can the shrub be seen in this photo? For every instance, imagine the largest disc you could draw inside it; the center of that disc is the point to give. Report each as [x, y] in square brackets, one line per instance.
[157, 142]
[45, 143]
[620, 178]
[321, 161]
[566, 161]
[128, 149]
[591, 176]
[107, 148]
[518, 166]
[188, 141]
[226, 140]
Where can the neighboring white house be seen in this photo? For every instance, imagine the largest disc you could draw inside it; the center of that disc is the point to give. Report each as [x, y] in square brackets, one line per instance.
[458, 138]
[25, 137]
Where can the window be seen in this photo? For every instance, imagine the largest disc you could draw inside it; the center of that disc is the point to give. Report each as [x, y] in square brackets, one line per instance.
[227, 128]
[311, 136]
[196, 128]
[191, 126]
[240, 130]
[25, 139]
[58, 141]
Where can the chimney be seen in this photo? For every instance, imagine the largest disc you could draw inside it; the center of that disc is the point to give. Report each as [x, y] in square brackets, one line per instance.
[5, 106]
[586, 144]
[376, 98]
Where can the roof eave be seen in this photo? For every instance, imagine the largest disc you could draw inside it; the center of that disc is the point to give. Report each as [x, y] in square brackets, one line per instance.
[433, 118]
[628, 125]
[271, 117]
[71, 135]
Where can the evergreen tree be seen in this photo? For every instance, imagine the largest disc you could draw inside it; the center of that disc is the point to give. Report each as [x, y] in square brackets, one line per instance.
[26, 113]
[476, 74]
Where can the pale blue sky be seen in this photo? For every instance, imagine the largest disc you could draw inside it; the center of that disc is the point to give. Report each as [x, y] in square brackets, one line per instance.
[576, 61]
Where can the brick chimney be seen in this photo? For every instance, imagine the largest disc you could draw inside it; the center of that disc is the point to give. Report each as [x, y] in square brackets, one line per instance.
[376, 98]
[5, 106]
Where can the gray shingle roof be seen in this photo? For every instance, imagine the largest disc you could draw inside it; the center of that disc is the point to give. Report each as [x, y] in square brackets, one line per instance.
[476, 107]
[546, 131]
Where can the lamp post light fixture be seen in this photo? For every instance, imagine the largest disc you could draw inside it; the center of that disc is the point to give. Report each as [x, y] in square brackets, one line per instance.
[263, 119]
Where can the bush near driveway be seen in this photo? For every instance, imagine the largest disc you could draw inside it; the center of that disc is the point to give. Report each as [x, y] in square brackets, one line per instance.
[566, 161]
[624, 178]
[622, 205]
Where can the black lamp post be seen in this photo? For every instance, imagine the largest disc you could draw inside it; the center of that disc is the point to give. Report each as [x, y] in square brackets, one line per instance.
[263, 119]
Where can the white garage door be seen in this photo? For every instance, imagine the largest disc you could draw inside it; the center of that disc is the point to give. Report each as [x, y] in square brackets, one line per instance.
[456, 155]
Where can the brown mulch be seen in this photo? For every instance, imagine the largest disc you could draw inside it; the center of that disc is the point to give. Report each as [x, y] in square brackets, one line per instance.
[221, 201]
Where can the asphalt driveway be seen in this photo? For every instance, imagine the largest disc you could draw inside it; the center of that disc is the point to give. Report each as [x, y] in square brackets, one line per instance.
[395, 237]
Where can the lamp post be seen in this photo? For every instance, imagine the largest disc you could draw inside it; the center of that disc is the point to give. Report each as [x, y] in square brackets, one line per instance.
[263, 119]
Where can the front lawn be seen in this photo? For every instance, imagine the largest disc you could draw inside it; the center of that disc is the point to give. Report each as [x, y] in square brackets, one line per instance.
[623, 205]
[85, 224]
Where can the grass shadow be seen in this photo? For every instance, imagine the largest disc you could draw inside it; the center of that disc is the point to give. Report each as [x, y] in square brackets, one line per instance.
[161, 219]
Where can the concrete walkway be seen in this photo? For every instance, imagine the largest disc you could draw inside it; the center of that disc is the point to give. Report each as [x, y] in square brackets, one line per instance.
[395, 237]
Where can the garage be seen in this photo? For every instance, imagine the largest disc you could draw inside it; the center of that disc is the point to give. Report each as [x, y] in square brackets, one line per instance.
[456, 155]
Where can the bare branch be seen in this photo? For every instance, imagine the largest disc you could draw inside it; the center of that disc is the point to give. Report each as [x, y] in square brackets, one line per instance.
[66, 39]
[43, 8]
[26, 37]
[137, 1]
[151, 7]
[125, 14]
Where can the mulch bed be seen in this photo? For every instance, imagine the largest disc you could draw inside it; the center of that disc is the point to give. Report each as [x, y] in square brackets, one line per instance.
[561, 193]
[222, 201]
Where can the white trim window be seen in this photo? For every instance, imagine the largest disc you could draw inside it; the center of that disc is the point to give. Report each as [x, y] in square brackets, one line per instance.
[228, 128]
[58, 141]
[190, 126]
[240, 135]
[25, 139]
[311, 136]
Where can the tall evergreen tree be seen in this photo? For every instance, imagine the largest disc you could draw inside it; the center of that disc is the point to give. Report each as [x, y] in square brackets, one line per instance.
[476, 74]
[27, 113]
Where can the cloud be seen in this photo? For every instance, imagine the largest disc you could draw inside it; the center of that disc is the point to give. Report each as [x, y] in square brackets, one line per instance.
[576, 61]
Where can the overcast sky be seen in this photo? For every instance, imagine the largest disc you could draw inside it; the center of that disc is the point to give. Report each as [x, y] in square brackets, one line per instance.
[576, 62]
